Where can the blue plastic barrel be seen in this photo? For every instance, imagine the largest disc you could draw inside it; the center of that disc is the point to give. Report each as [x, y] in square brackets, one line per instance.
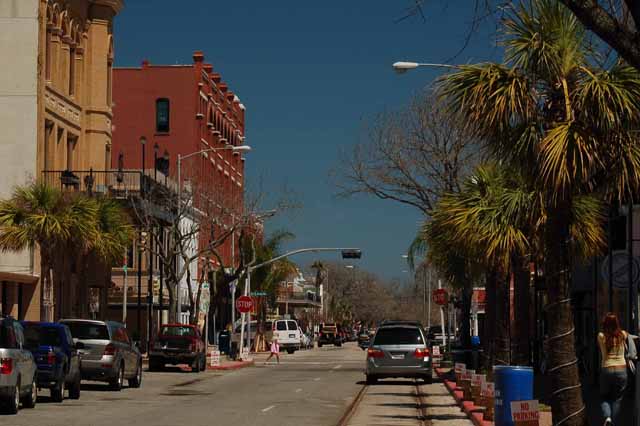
[511, 384]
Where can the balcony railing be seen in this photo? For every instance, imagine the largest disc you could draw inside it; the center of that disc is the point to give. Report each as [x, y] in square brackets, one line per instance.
[298, 298]
[112, 183]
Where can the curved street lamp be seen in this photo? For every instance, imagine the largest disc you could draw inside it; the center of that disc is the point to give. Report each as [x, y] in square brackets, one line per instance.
[402, 67]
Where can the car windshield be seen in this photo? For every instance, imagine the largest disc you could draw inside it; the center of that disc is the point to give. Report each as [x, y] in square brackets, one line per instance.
[88, 330]
[177, 331]
[35, 336]
[281, 325]
[398, 336]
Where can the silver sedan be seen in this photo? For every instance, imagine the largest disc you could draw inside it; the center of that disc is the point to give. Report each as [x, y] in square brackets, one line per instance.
[398, 351]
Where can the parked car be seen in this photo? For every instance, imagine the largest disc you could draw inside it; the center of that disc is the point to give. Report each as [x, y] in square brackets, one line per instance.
[398, 351]
[364, 339]
[178, 344]
[305, 340]
[109, 355]
[17, 368]
[56, 356]
[329, 335]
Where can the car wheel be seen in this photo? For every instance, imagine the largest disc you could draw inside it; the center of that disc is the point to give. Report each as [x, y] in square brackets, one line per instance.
[428, 379]
[57, 392]
[290, 351]
[136, 381]
[155, 365]
[195, 365]
[371, 380]
[30, 400]
[74, 388]
[117, 382]
[203, 366]
[319, 344]
[12, 403]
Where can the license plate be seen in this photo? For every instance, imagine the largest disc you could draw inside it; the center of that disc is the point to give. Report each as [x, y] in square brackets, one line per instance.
[292, 336]
[397, 356]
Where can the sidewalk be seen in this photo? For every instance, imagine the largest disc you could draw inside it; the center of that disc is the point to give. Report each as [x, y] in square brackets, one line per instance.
[226, 364]
[404, 403]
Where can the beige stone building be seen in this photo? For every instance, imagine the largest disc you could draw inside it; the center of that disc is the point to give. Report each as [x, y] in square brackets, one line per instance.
[55, 112]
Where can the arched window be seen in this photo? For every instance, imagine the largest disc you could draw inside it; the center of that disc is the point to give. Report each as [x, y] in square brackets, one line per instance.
[162, 115]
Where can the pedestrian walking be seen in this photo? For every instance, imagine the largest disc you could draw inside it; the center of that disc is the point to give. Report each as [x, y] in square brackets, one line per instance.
[613, 372]
[275, 350]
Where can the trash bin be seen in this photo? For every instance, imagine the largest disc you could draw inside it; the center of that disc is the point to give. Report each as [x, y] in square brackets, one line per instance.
[224, 339]
[511, 384]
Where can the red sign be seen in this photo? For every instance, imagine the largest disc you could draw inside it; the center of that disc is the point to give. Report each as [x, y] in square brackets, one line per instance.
[439, 296]
[244, 304]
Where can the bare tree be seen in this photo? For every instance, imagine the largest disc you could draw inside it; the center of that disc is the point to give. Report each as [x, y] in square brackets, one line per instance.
[409, 156]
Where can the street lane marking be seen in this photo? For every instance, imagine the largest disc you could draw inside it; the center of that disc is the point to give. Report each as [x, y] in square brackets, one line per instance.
[298, 390]
[317, 379]
[271, 407]
[337, 367]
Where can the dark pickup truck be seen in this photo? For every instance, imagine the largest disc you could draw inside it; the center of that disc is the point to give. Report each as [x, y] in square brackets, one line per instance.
[56, 357]
[329, 335]
[178, 344]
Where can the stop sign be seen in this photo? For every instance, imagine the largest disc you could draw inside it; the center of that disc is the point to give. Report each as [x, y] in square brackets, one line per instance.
[439, 296]
[244, 304]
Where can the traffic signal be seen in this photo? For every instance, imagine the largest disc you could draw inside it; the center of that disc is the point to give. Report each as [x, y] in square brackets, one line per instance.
[351, 254]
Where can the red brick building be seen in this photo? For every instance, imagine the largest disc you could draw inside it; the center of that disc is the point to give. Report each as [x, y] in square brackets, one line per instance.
[183, 109]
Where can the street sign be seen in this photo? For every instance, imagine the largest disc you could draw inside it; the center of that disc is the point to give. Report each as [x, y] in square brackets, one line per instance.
[440, 296]
[244, 304]
[215, 358]
[620, 276]
[258, 293]
[525, 413]
[487, 389]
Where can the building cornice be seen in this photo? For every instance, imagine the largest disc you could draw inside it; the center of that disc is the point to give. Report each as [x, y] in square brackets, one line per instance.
[116, 5]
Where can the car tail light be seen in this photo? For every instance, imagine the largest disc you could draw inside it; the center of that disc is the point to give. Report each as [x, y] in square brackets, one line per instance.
[375, 353]
[193, 345]
[421, 353]
[110, 349]
[51, 358]
[6, 366]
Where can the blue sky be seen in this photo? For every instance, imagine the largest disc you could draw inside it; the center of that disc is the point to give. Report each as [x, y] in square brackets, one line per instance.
[310, 74]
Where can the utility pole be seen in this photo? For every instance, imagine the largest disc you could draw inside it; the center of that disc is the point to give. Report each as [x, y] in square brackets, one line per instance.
[429, 301]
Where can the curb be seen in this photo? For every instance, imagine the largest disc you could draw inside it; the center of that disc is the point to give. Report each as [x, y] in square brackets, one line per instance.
[232, 366]
[473, 412]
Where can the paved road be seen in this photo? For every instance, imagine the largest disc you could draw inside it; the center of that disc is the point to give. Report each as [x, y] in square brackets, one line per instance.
[312, 388]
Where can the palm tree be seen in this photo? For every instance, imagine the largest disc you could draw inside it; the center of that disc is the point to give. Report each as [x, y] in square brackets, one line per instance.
[497, 220]
[67, 228]
[42, 216]
[571, 124]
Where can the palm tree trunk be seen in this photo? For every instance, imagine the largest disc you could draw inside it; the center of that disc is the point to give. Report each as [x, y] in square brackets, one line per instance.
[522, 303]
[566, 396]
[489, 336]
[44, 273]
[502, 340]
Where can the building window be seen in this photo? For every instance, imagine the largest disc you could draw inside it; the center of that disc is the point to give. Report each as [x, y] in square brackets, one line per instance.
[72, 72]
[162, 115]
[71, 147]
[47, 60]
